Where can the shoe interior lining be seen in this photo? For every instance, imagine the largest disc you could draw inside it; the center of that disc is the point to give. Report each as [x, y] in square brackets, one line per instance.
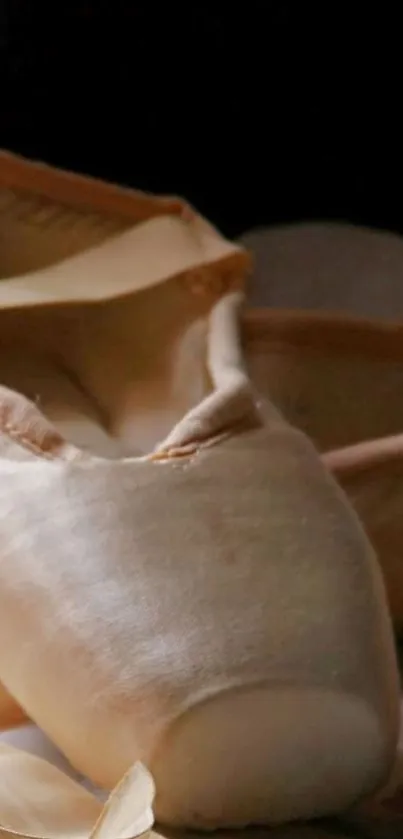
[339, 380]
[113, 378]
[36, 231]
[113, 375]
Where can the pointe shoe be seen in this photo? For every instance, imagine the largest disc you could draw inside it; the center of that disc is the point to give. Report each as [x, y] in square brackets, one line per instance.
[182, 581]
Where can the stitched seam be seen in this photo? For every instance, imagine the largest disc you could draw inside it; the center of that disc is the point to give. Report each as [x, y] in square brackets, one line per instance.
[17, 437]
[187, 452]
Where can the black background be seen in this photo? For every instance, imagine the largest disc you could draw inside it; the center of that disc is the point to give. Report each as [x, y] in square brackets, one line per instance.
[257, 112]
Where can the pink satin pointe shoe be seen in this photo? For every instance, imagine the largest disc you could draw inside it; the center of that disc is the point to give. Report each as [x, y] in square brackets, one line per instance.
[182, 582]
